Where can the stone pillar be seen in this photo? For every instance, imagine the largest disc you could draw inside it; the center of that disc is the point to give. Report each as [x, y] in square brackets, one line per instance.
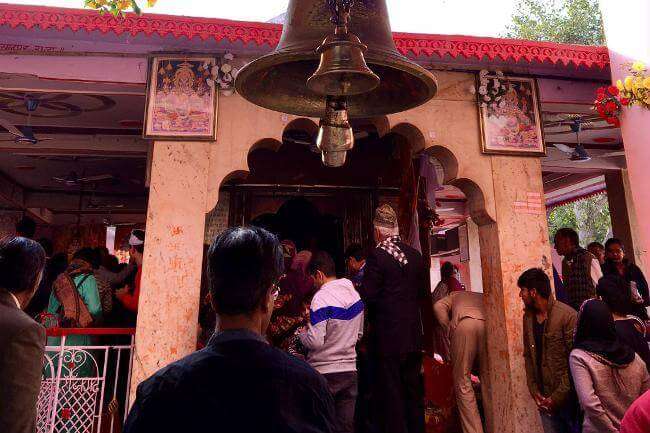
[627, 29]
[621, 210]
[516, 241]
[475, 269]
[171, 278]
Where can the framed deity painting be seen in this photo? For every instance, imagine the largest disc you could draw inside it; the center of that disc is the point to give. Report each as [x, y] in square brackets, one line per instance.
[509, 116]
[181, 98]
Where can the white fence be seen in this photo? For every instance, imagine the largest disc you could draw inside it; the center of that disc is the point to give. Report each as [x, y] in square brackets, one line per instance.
[85, 387]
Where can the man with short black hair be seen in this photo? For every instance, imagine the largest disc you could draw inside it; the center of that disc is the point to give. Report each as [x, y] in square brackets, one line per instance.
[616, 263]
[335, 327]
[355, 260]
[22, 340]
[580, 269]
[238, 383]
[549, 328]
[598, 250]
[26, 228]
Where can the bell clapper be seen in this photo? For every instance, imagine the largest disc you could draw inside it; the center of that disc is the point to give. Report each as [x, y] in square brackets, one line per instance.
[335, 135]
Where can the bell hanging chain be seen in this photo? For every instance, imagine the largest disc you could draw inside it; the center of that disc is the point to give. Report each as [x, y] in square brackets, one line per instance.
[340, 11]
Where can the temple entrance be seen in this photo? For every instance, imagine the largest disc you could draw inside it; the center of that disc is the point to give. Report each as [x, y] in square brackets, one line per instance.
[312, 221]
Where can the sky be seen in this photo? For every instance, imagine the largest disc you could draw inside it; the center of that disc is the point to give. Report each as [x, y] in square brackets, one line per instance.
[464, 17]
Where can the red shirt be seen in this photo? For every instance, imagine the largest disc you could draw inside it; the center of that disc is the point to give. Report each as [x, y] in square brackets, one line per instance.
[130, 300]
[637, 417]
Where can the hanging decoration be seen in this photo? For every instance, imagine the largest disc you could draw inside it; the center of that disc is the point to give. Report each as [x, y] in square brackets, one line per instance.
[608, 105]
[635, 87]
[224, 73]
[632, 90]
[116, 7]
[491, 89]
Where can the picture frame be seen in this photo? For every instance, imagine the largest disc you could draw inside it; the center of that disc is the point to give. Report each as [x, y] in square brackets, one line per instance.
[182, 98]
[512, 125]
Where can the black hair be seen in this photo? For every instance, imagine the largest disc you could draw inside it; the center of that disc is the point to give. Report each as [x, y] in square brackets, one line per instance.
[616, 293]
[243, 265]
[356, 251]
[21, 264]
[57, 265]
[536, 279]
[47, 246]
[140, 235]
[26, 227]
[596, 245]
[570, 234]
[322, 261]
[614, 241]
[88, 255]
[447, 270]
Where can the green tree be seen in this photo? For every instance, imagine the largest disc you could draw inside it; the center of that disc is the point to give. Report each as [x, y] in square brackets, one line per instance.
[564, 21]
[589, 217]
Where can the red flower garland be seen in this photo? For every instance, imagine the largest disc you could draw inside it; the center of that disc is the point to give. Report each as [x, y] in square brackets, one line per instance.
[608, 105]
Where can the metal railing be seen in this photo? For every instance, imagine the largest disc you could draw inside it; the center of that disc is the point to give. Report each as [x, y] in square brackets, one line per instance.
[86, 380]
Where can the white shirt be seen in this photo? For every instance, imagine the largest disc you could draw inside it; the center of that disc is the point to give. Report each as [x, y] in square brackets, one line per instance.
[335, 327]
[596, 271]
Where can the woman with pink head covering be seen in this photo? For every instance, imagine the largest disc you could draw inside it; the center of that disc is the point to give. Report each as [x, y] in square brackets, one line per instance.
[292, 305]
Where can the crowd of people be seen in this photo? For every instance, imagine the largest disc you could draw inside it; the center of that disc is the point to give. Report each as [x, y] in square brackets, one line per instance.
[298, 348]
[41, 289]
[341, 348]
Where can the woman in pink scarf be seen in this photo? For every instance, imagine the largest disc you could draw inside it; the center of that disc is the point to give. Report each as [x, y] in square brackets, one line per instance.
[291, 308]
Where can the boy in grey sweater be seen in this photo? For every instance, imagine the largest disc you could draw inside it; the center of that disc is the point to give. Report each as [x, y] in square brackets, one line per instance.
[335, 327]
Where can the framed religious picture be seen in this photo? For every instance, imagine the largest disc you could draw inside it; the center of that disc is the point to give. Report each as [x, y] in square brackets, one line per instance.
[181, 98]
[509, 115]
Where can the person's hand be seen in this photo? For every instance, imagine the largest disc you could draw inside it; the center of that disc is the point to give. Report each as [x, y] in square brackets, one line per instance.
[539, 399]
[547, 405]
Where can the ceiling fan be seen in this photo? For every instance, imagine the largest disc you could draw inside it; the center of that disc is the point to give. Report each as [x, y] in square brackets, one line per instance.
[25, 134]
[72, 179]
[569, 121]
[577, 124]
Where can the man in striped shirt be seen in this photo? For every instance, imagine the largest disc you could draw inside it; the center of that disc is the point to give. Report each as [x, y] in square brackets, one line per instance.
[335, 327]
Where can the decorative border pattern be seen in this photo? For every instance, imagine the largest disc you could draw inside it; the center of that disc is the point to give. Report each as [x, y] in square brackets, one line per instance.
[502, 49]
[418, 45]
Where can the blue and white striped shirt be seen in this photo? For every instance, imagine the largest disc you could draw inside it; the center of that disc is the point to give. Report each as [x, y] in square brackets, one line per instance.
[335, 327]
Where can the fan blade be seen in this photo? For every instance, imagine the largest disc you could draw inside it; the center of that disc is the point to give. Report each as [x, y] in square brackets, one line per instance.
[97, 178]
[564, 148]
[11, 128]
[612, 154]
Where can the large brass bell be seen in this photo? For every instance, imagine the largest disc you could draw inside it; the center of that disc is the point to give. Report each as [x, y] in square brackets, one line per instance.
[279, 81]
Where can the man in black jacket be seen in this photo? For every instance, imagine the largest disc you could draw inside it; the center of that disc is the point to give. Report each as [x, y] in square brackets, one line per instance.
[238, 383]
[394, 285]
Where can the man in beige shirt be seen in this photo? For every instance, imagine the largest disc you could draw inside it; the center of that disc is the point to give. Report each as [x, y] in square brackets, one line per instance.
[462, 316]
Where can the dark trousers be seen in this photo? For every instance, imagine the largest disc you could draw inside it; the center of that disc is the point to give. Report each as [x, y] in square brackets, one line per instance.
[399, 393]
[343, 387]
